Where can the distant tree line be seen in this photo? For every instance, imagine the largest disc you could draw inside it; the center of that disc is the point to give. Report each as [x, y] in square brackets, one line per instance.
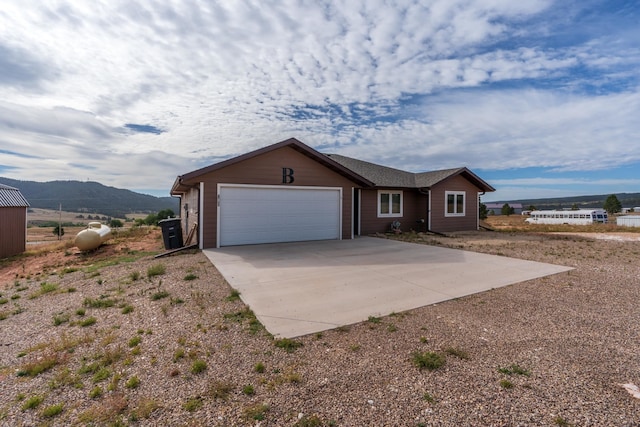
[612, 205]
[153, 219]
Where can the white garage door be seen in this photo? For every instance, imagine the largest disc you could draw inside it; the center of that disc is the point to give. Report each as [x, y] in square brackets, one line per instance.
[262, 214]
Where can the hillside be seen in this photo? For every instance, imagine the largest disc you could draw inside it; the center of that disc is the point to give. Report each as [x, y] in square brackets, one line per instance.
[90, 197]
[628, 200]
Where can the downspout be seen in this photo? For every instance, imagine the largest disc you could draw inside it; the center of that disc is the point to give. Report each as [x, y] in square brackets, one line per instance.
[201, 216]
[478, 210]
[353, 211]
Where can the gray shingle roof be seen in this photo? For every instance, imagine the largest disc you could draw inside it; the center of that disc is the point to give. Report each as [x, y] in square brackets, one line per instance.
[383, 176]
[11, 197]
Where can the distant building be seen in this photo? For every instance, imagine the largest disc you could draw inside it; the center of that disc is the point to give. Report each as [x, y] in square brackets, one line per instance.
[13, 221]
[496, 208]
[630, 210]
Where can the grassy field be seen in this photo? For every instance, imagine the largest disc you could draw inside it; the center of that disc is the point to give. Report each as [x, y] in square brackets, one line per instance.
[36, 216]
[517, 223]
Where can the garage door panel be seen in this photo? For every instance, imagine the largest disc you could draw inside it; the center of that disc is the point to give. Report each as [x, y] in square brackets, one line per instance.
[251, 215]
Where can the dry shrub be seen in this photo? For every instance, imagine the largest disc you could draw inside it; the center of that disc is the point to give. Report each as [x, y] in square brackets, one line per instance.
[105, 410]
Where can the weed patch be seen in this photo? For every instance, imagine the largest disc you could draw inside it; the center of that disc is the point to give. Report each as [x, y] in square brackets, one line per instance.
[288, 344]
[145, 407]
[233, 296]
[102, 302]
[96, 392]
[198, 366]
[220, 390]
[101, 375]
[105, 411]
[428, 360]
[134, 341]
[256, 412]
[88, 322]
[156, 270]
[309, 421]
[39, 366]
[132, 382]
[45, 288]
[559, 421]
[32, 402]
[506, 384]
[514, 370]
[193, 404]
[245, 315]
[59, 319]
[428, 398]
[159, 295]
[459, 353]
[53, 410]
[65, 377]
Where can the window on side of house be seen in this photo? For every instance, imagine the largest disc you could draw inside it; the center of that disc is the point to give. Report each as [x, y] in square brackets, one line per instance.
[454, 203]
[389, 204]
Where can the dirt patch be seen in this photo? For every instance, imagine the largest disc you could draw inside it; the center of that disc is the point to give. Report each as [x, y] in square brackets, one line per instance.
[48, 258]
[620, 236]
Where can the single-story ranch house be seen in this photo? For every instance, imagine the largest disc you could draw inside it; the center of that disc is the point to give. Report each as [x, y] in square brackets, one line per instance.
[290, 192]
[13, 221]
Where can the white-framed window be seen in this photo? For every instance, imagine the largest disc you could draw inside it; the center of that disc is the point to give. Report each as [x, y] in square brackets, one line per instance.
[454, 203]
[389, 203]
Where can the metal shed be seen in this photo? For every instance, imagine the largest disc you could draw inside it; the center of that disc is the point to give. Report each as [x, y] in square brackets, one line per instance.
[629, 221]
[13, 221]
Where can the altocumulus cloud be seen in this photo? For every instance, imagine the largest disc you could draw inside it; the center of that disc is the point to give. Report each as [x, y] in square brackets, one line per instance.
[136, 93]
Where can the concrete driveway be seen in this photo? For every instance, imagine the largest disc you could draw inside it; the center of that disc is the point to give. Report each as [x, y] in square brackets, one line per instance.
[300, 288]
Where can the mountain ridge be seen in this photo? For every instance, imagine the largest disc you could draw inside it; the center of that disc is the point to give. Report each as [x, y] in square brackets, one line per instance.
[628, 200]
[89, 196]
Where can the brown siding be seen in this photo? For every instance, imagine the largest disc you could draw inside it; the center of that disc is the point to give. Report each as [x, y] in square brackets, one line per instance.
[441, 223]
[414, 209]
[13, 231]
[266, 169]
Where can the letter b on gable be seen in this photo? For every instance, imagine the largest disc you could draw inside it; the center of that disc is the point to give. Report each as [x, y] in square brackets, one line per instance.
[287, 175]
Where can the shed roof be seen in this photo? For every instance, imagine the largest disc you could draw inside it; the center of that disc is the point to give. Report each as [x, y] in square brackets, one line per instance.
[11, 197]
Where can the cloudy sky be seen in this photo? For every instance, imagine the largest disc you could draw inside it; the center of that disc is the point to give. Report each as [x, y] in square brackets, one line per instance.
[541, 98]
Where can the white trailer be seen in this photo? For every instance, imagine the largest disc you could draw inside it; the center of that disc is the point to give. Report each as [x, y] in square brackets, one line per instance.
[578, 217]
[629, 220]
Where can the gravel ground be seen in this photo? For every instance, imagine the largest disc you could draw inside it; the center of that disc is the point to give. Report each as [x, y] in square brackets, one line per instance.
[180, 349]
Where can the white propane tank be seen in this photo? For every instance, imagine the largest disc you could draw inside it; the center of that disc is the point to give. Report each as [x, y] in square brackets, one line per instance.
[92, 237]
